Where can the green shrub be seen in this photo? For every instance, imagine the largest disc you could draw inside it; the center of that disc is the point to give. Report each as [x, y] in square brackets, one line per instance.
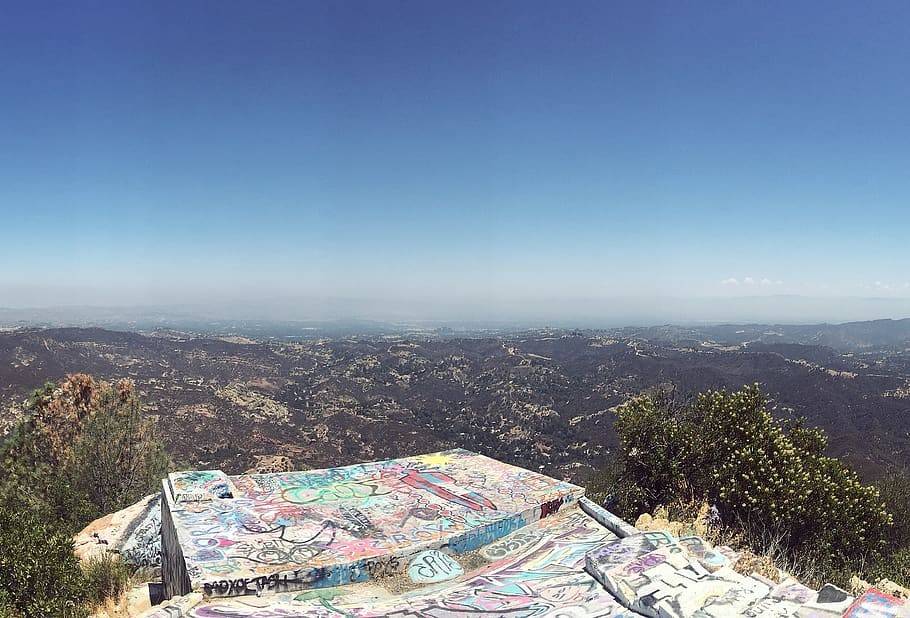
[40, 574]
[106, 577]
[895, 567]
[727, 449]
[894, 487]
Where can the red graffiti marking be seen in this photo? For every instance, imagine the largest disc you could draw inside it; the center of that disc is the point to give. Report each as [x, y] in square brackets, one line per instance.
[548, 508]
[430, 481]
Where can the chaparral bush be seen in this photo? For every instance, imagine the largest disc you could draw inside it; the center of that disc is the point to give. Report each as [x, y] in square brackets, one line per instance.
[726, 448]
[40, 574]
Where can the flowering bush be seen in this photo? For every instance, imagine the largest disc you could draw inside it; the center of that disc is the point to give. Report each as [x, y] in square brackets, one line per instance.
[727, 448]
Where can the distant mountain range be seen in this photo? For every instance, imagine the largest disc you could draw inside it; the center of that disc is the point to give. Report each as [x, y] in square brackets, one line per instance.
[875, 335]
[537, 398]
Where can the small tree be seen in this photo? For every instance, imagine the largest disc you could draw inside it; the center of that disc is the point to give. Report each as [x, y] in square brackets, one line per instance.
[84, 451]
[117, 458]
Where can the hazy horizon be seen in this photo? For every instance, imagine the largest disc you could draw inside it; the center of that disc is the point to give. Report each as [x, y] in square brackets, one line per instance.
[569, 313]
[586, 162]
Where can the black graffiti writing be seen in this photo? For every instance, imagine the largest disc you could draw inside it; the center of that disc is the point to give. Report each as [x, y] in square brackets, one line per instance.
[383, 567]
[431, 566]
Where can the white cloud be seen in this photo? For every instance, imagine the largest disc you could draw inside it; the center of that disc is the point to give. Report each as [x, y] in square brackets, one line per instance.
[887, 286]
[763, 281]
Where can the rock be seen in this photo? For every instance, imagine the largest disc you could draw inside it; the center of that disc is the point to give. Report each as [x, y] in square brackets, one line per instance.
[271, 464]
[749, 563]
[858, 585]
[134, 533]
[829, 601]
[889, 587]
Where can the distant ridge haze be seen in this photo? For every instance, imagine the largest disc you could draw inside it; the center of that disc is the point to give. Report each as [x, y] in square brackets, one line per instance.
[495, 312]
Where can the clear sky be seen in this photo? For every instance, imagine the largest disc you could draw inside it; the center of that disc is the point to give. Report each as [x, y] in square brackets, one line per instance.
[452, 153]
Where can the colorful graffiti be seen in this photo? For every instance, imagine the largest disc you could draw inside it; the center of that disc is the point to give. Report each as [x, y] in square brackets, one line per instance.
[142, 546]
[544, 579]
[287, 545]
[287, 531]
[658, 576]
[133, 532]
[709, 558]
[433, 566]
[783, 600]
[621, 551]
[877, 604]
[200, 485]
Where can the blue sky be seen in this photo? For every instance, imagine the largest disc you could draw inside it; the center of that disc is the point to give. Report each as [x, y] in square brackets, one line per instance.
[453, 153]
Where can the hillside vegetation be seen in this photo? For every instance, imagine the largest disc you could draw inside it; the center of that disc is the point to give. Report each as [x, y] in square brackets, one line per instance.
[83, 451]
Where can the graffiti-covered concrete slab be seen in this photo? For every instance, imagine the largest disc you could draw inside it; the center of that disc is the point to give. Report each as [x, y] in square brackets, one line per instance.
[275, 532]
[600, 561]
[432, 566]
[542, 575]
[709, 558]
[615, 524]
[442, 535]
[783, 601]
[200, 486]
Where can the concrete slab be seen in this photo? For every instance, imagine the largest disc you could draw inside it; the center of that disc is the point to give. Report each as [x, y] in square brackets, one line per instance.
[279, 532]
[433, 566]
[783, 601]
[600, 561]
[133, 533]
[709, 558]
[543, 578]
[615, 524]
[668, 581]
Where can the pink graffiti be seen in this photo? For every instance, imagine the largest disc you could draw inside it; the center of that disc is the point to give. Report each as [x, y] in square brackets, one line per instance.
[644, 563]
[430, 481]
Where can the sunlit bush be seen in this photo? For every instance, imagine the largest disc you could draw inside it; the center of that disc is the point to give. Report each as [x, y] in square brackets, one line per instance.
[727, 448]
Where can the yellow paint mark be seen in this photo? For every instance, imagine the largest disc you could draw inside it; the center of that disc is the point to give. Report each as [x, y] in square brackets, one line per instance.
[435, 459]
